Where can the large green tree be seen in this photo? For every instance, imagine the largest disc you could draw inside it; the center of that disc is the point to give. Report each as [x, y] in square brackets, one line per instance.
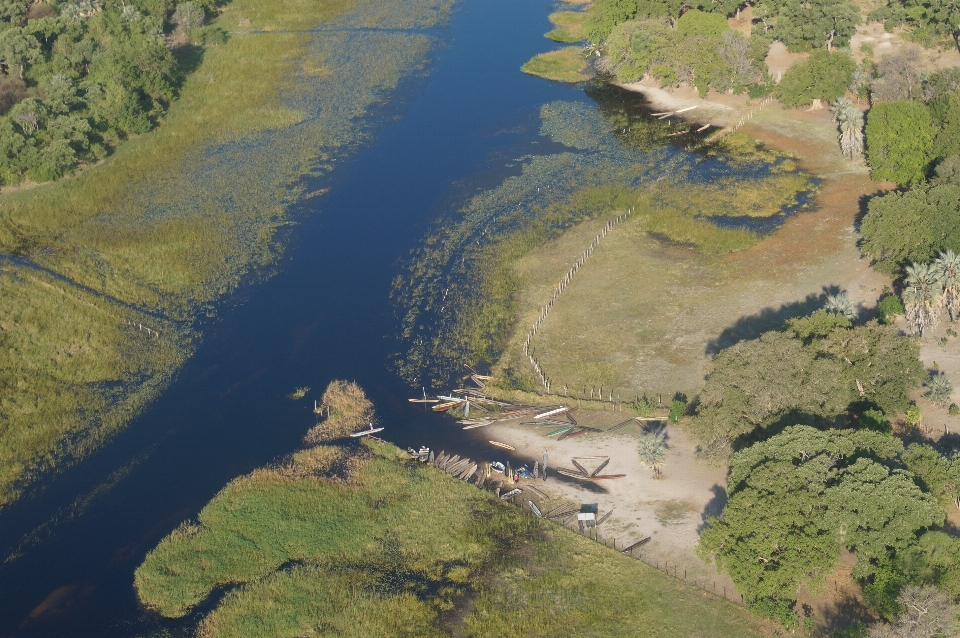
[823, 76]
[798, 498]
[912, 226]
[810, 24]
[816, 373]
[900, 141]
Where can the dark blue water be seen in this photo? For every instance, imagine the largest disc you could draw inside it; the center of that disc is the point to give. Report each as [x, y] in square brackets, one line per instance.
[326, 315]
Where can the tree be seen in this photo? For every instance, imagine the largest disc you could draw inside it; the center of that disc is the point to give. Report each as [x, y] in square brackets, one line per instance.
[188, 16]
[945, 110]
[926, 613]
[18, 49]
[799, 497]
[755, 384]
[915, 225]
[899, 76]
[840, 304]
[935, 473]
[818, 325]
[851, 134]
[824, 76]
[899, 141]
[653, 451]
[809, 24]
[920, 296]
[947, 271]
[13, 10]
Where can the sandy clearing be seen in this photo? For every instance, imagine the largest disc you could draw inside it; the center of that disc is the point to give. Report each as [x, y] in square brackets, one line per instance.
[694, 488]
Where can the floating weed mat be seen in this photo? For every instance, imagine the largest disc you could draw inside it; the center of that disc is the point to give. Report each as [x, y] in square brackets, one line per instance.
[179, 218]
[458, 297]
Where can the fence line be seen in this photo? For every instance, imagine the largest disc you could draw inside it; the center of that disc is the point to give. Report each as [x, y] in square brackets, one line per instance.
[561, 287]
[673, 570]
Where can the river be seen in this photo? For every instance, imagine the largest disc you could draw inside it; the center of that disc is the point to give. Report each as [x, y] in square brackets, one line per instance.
[325, 315]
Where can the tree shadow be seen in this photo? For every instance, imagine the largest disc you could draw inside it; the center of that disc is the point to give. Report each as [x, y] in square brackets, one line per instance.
[842, 612]
[714, 506]
[752, 326]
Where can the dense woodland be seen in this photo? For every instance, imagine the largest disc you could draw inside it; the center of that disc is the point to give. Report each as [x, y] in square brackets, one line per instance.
[79, 77]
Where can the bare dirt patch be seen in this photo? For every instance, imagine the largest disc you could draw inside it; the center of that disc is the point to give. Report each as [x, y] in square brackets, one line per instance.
[670, 510]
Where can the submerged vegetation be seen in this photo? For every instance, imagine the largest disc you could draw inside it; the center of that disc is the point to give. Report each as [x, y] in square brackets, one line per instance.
[366, 541]
[178, 217]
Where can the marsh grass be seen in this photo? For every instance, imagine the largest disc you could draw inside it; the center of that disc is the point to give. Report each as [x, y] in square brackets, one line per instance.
[346, 409]
[405, 550]
[74, 368]
[565, 65]
[569, 26]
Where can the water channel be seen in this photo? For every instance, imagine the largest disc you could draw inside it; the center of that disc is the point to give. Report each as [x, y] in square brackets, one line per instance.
[444, 135]
[325, 315]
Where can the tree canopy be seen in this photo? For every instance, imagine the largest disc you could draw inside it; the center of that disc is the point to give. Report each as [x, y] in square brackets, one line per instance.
[824, 75]
[812, 24]
[798, 498]
[815, 375]
[900, 139]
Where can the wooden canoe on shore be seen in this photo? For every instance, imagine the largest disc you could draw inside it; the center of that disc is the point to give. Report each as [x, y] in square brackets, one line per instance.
[606, 476]
[510, 494]
[503, 445]
[571, 473]
[443, 407]
[561, 430]
[366, 432]
[534, 509]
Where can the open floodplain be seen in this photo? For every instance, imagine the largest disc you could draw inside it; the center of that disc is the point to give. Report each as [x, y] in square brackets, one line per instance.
[375, 192]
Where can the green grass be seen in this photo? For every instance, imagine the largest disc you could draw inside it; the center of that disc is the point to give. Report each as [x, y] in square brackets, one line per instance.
[565, 65]
[569, 26]
[401, 549]
[74, 368]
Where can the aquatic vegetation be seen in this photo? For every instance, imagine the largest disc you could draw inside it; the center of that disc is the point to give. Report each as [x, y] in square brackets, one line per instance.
[299, 393]
[569, 26]
[565, 65]
[177, 219]
[401, 549]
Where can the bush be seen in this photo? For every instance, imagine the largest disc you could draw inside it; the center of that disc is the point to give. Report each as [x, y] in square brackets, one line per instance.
[877, 421]
[677, 410]
[881, 594]
[939, 389]
[954, 409]
[889, 308]
[777, 610]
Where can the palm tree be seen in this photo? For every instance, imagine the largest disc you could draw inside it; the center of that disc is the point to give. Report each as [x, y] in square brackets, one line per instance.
[920, 296]
[839, 109]
[947, 266]
[851, 133]
[841, 305]
[939, 389]
[653, 451]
